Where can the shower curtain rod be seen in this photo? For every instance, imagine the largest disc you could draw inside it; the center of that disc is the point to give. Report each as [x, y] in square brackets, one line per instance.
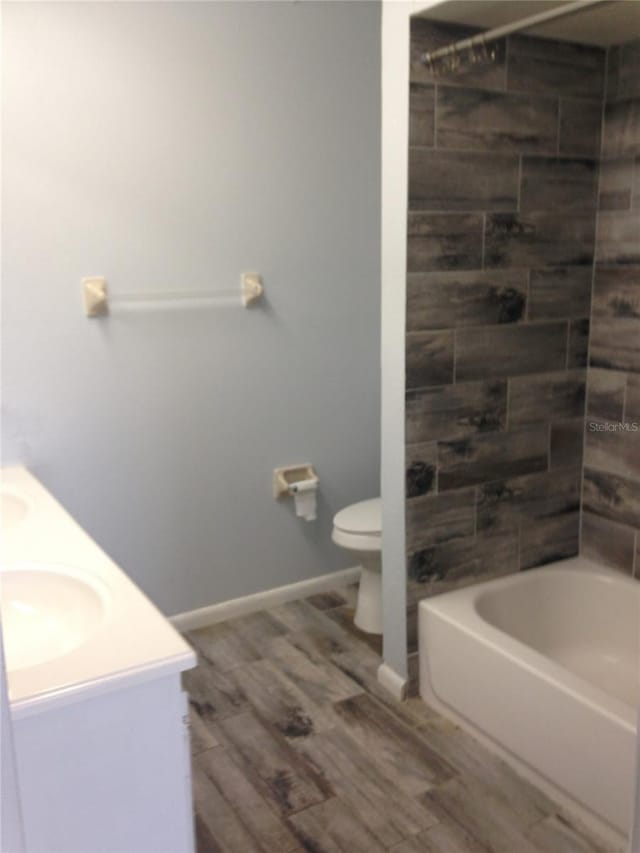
[523, 24]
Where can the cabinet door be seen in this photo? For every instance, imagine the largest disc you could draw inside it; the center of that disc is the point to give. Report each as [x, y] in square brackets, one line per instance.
[109, 774]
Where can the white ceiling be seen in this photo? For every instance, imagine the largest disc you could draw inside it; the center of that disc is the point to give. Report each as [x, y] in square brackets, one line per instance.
[605, 24]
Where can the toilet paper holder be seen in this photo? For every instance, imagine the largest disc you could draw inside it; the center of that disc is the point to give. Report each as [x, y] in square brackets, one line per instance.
[293, 479]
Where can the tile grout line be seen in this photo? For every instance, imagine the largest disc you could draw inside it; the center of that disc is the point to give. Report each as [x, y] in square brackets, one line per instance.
[491, 151]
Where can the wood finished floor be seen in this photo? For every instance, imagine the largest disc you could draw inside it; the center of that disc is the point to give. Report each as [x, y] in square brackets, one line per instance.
[297, 748]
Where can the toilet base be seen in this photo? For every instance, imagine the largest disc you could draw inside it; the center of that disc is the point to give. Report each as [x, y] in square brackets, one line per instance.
[368, 616]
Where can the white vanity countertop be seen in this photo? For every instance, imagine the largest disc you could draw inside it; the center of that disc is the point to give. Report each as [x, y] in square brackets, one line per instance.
[133, 643]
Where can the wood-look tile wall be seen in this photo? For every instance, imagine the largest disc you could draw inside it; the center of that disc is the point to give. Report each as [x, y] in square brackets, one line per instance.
[611, 490]
[503, 194]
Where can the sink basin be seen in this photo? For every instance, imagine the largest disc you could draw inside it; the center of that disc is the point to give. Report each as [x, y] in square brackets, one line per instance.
[47, 611]
[13, 509]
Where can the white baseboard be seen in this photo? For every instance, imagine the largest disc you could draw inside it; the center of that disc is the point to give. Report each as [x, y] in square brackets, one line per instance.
[391, 681]
[192, 619]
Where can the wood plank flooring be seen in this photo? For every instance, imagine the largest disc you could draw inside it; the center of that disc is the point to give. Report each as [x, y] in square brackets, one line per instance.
[296, 747]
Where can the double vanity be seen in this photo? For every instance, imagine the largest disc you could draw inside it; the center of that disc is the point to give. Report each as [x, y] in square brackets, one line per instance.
[100, 722]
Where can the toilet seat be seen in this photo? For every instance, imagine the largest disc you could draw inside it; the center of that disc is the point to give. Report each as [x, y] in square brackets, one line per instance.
[359, 526]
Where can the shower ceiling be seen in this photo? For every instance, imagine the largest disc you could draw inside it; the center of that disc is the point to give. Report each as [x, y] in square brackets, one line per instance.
[610, 23]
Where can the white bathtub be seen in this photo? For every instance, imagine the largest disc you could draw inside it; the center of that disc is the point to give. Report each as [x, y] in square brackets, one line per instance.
[544, 665]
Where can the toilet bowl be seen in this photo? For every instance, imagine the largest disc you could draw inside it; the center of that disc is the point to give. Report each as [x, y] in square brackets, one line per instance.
[358, 528]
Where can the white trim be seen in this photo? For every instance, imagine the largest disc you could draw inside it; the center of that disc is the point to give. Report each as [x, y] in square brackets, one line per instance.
[396, 17]
[192, 619]
[391, 681]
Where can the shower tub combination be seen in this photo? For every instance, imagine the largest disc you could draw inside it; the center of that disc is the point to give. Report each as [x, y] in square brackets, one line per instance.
[544, 667]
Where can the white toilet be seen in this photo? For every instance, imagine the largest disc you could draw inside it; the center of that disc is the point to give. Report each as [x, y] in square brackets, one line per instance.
[358, 528]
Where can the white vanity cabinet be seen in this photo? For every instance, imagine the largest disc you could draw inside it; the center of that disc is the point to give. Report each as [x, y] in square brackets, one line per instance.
[108, 773]
[99, 718]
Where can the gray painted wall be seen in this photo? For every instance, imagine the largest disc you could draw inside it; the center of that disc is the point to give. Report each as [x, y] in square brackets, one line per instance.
[175, 145]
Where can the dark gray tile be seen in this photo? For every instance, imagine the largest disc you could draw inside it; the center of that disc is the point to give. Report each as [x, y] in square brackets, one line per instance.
[364, 787]
[632, 400]
[327, 600]
[618, 238]
[546, 65]
[233, 642]
[578, 350]
[607, 542]
[483, 815]
[559, 292]
[422, 104]
[629, 70]
[621, 134]
[439, 518]
[614, 344]
[337, 825]
[532, 239]
[290, 783]
[566, 443]
[558, 183]
[212, 693]
[443, 241]
[429, 358]
[398, 749]
[549, 540]
[580, 127]
[243, 802]
[613, 447]
[368, 761]
[480, 120]
[482, 458]
[447, 837]
[605, 394]
[455, 411]
[616, 292]
[453, 180]
[218, 827]
[413, 667]
[504, 504]
[361, 794]
[430, 35]
[613, 71]
[499, 351]
[447, 300]
[412, 614]
[616, 178]
[526, 802]
[440, 568]
[421, 471]
[546, 397]
[559, 834]
[200, 736]
[612, 496]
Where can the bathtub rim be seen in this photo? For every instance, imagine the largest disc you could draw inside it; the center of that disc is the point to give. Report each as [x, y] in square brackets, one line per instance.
[598, 826]
[459, 609]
